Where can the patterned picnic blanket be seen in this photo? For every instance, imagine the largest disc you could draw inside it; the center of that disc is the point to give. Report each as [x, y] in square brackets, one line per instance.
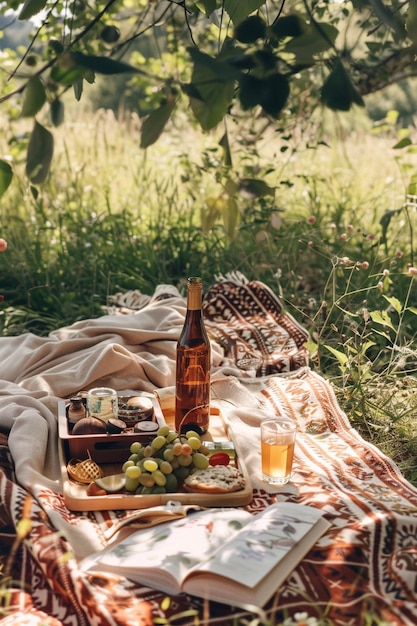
[364, 569]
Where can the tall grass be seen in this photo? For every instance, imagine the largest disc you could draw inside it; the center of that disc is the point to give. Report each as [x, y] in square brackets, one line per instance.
[335, 241]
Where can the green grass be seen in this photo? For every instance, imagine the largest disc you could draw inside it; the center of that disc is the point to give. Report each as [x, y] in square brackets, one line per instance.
[112, 218]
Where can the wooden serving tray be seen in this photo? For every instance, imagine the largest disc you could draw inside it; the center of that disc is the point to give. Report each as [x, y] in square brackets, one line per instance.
[76, 498]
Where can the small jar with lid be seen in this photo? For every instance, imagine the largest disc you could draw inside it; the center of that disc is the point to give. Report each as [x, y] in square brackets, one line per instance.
[75, 412]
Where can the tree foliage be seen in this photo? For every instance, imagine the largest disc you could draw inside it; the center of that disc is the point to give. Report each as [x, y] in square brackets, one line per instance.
[238, 57]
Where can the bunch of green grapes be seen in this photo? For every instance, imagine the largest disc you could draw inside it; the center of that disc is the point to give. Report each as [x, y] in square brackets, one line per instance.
[159, 466]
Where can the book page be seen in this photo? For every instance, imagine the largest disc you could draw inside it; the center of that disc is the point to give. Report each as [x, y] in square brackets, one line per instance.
[263, 543]
[174, 547]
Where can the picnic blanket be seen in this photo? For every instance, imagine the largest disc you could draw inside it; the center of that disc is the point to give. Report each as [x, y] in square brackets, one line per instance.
[364, 568]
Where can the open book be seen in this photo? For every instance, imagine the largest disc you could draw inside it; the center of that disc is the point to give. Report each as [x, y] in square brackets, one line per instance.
[225, 555]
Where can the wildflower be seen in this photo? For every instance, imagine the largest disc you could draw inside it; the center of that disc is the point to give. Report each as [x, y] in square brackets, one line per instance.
[380, 285]
[333, 226]
[278, 274]
[370, 236]
[363, 265]
[350, 228]
[345, 260]
[311, 219]
[3, 245]
[310, 244]
[398, 254]
[385, 273]
[301, 619]
[412, 271]
[343, 236]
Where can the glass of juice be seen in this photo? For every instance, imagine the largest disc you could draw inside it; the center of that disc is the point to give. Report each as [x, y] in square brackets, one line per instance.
[277, 450]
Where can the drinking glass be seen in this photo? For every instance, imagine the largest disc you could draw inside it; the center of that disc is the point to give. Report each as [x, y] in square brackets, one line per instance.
[277, 450]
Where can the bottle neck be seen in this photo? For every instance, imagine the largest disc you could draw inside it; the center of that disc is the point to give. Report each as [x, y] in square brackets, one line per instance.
[194, 294]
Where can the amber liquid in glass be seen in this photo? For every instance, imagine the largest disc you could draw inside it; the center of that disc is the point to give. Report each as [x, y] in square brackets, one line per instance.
[277, 460]
[192, 403]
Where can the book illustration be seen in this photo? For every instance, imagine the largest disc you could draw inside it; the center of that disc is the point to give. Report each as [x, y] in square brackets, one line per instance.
[262, 544]
[227, 555]
[177, 547]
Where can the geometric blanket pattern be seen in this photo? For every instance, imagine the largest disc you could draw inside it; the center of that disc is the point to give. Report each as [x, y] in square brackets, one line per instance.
[362, 571]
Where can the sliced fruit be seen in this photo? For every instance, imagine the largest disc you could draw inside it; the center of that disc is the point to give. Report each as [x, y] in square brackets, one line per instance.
[111, 484]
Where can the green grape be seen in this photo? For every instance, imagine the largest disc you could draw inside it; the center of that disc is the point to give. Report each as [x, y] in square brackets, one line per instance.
[131, 483]
[175, 463]
[134, 457]
[158, 489]
[166, 467]
[127, 464]
[147, 480]
[144, 490]
[185, 460]
[168, 454]
[192, 434]
[181, 472]
[158, 442]
[147, 451]
[150, 465]
[135, 447]
[171, 484]
[200, 461]
[159, 478]
[172, 436]
[194, 443]
[133, 471]
[163, 431]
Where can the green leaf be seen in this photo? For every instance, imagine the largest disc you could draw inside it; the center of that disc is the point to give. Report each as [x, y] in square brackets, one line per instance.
[39, 155]
[238, 10]
[155, 123]
[103, 65]
[381, 317]
[227, 153]
[412, 309]
[256, 187]
[385, 221]
[316, 39]
[211, 90]
[34, 97]
[210, 212]
[66, 71]
[412, 186]
[289, 26]
[57, 110]
[271, 93]
[338, 92]
[31, 8]
[6, 176]
[230, 217]
[395, 303]
[340, 356]
[403, 143]
[251, 29]
[221, 69]
[411, 22]
[207, 6]
[387, 17]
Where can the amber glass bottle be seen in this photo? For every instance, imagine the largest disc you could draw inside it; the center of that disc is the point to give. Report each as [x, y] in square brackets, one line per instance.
[192, 405]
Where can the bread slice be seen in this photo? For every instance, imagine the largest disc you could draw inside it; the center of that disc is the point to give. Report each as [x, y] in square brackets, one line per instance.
[216, 479]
